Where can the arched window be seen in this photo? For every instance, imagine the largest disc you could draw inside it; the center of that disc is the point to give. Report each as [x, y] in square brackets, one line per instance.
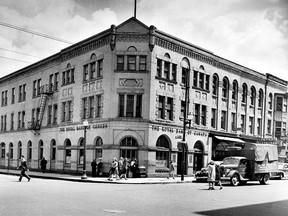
[19, 149]
[98, 142]
[67, 151]
[163, 151]
[41, 150]
[11, 150]
[225, 88]
[235, 91]
[244, 93]
[185, 65]
[53, 150]
[260, 99]
[81, 151]
[215, 85]
[252, 96]
[128, 148]
[3, 150]
[29, 150]
[270, 101]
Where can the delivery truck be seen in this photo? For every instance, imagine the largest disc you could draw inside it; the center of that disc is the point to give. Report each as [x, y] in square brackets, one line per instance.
[251, 162]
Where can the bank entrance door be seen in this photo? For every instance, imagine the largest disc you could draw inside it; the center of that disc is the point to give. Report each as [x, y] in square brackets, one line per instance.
[182, 155]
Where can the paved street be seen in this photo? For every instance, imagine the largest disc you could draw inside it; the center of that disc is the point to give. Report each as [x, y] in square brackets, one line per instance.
[53, 197]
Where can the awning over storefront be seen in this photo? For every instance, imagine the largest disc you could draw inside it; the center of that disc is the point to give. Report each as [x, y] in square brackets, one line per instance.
[229, 139]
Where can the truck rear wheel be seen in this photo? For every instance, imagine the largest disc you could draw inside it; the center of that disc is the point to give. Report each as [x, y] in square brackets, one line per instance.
[265, 179]
[235, 180]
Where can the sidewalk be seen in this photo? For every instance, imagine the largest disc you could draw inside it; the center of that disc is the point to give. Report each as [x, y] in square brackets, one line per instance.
[75, 178]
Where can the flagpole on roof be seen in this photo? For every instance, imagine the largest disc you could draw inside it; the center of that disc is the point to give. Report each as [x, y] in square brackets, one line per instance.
[135, 2]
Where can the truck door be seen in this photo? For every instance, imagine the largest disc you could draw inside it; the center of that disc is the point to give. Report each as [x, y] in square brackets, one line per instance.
[243, 167]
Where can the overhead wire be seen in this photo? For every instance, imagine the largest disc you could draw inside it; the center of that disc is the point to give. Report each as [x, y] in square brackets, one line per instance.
[20, 53]
[15, 60]
[35, 33]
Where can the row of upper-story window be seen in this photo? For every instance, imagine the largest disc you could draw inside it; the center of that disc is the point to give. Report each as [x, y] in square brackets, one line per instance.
[201, 80]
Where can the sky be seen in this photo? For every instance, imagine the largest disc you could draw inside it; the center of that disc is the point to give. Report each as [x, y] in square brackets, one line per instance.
[252, 33]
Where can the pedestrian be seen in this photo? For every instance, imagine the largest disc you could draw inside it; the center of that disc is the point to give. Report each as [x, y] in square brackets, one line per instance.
[171, 170]
[114, 170]
[134, 167]
[43, 164]
[23, 168]
[100, 167]
[123, 168]
[211, 175]
[94, 166]
[219, 173]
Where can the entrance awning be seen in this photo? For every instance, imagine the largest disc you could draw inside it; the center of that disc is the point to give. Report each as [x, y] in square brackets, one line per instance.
[229, 139]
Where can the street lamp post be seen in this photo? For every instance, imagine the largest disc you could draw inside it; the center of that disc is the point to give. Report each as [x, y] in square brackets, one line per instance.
[186, 102]
[85, 125]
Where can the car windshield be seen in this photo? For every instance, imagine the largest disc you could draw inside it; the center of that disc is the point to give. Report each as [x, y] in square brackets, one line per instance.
[230, 161]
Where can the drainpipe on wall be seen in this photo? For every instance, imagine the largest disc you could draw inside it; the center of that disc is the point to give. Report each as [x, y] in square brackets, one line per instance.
[265, 106]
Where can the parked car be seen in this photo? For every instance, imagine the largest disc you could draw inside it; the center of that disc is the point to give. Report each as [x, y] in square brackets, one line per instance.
[202, 175]
[282, 171]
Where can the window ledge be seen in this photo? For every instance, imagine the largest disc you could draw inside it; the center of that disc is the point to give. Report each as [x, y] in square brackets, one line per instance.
[129, 71]
[166, 80]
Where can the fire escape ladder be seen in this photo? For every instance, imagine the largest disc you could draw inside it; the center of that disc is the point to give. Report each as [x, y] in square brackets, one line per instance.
[46, 91]
[44, 98]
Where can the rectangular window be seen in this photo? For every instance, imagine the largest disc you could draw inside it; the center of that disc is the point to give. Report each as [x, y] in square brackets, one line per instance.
[233, 122]
[159, 67]
[34, 88]
[269, 123]
[131, 63]
[278, 128]
[174, 72]
[98, 106]
[259, 125]
[56, 82]
[213, 118]
[51, 79]
[161, 107]
[130, 106]
[84, 104]
[2, 122]
[197, 114]
[38, 87]
[251, 125]
[120, 62]
[142, 63]
[12, 122]
[20, 93]
[23, 119]
[91, 107]
[166, 70]
[207, 82]
[63, 111]
[203, 115]
[85, 72]
[49, 120]
[138, 105]
[279, 104]
[170, 108]
[243, 123]
[93, 70]
[24, 92]
[69, 111]
[100, 68]
[121, 105]
[55, 113]
[195, 79]
[3, 100]
[19, 120]
[201, 80]
[13, 96]
[223, 119]
[184, 76]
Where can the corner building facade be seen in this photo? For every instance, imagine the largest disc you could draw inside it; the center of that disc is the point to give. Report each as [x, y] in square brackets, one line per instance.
[130, 83]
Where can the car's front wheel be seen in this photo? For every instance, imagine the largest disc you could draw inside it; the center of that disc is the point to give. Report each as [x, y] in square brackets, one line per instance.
[235, 180]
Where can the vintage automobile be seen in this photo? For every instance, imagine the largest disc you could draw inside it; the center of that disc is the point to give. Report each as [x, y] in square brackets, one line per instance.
[281, 173]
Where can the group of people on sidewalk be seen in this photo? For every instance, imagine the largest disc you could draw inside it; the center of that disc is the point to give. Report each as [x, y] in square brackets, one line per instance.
[214, 175]
[121, 169]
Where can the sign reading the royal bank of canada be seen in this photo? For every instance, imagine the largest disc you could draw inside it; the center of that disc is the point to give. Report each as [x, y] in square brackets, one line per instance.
[81, 127]
[178, 131]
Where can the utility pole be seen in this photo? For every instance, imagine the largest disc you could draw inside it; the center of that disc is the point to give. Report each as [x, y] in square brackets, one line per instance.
[135, 3]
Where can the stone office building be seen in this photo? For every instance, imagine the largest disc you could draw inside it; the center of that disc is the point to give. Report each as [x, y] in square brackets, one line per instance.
[130, 82]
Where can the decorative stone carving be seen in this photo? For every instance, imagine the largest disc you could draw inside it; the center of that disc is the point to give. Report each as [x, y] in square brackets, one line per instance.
[130, 82]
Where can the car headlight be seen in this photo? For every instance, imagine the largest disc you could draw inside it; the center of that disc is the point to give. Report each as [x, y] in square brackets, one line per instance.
[227, 171]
